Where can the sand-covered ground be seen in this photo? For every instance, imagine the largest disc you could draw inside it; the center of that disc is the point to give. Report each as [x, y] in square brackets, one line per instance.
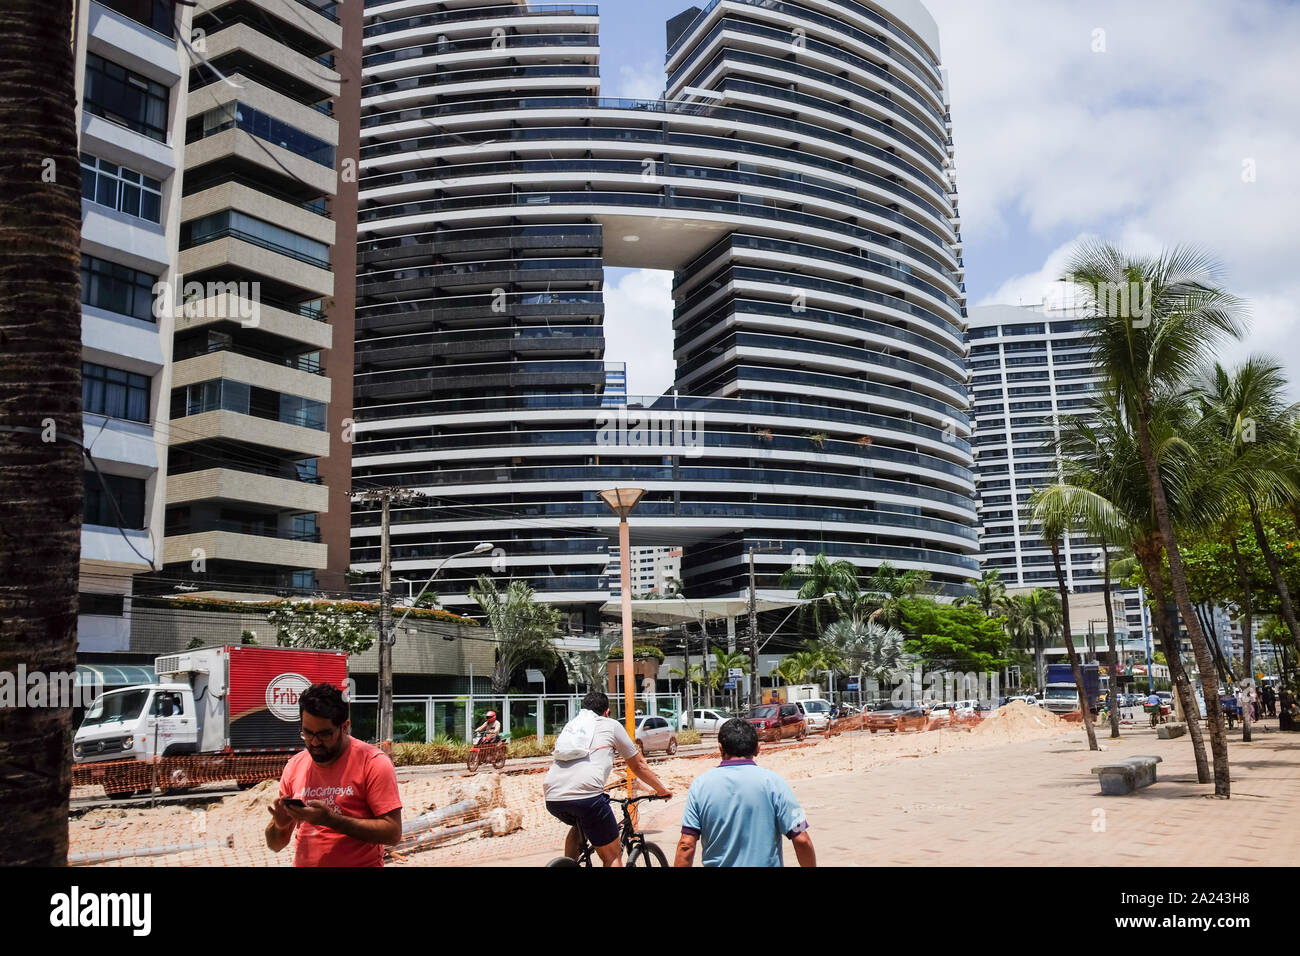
[232, 827]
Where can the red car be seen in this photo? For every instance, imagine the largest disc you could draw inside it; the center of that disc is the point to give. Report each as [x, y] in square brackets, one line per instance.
[778, 721]
[897, 719]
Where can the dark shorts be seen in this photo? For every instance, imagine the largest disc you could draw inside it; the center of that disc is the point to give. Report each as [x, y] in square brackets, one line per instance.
[593, 814]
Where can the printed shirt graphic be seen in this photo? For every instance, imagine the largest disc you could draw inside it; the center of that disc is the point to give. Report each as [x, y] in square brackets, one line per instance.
[740, 811]
[362, 783]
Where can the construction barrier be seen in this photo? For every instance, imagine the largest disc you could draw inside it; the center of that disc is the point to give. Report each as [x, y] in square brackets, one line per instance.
[122, 778]
[100, 856]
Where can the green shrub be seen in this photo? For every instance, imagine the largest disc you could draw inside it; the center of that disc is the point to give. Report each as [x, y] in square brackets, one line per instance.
[638, 654]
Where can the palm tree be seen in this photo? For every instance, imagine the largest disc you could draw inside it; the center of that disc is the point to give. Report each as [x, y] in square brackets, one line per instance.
[525, 630]
[590, 669]
[723, 662]
[823, 578]
[1054, 521]
[1185, 317]
[867, 649]
[990, 594]
[1246, 409]
[1031, 617]
[40, 434]
[1106, 482]
[889, 588]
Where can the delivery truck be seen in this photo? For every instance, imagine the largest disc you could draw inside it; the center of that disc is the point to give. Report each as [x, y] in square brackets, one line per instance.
[211, 704]
[1061, 695]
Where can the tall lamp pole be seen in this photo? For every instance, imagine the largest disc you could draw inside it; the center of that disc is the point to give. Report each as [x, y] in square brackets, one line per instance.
[621, 501]
[388, 632]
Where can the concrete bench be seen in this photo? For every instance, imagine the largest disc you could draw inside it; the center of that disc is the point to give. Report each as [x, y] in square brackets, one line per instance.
[1125, 776]
[1171, 730]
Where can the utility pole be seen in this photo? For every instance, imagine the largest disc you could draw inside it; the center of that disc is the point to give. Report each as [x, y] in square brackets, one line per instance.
[385, 497]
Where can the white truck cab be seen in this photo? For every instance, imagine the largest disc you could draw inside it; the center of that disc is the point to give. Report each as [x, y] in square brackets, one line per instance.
[138, 722]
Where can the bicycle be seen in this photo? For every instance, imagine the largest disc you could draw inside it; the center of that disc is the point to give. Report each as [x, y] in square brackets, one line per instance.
[639, 850]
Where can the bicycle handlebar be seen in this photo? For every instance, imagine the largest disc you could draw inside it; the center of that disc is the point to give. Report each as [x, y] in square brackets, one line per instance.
[628, 801]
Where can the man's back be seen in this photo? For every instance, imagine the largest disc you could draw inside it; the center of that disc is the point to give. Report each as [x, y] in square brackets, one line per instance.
[740, 812]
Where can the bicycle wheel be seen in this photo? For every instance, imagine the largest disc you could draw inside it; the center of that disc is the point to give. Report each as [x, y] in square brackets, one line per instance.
[564, 861]
[647, 854]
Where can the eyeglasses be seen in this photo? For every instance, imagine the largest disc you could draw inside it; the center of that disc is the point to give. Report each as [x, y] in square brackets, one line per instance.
[319, 737]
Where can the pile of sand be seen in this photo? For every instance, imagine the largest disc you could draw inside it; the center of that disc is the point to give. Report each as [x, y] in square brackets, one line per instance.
[1020, 721]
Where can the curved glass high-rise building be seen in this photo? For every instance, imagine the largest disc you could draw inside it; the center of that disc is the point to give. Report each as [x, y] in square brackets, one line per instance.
[797, 178]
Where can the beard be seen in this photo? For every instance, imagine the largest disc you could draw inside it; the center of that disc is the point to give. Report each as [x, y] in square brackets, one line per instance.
[321, 754]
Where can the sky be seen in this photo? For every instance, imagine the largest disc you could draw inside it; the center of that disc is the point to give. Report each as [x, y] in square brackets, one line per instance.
[1147, 123]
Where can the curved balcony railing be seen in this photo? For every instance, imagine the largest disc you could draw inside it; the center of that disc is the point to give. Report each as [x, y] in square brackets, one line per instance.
[649, 200]
[664, 138]
[717, 509]
[857, 8]
[692, 176]
[512, 10]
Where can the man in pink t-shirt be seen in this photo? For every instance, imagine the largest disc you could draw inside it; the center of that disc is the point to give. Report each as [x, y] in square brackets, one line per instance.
[350, 807]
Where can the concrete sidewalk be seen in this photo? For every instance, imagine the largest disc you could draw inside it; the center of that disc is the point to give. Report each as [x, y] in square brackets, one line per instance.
[1036, 803]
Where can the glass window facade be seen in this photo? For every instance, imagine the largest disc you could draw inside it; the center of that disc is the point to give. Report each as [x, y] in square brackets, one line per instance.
[114, 393]
[120, 188]
[100, 497]
[121, 289]
[230, 223]
[126, 98]
[266, 127]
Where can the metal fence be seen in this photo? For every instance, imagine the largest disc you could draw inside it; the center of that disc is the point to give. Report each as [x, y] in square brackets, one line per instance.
[425, 718]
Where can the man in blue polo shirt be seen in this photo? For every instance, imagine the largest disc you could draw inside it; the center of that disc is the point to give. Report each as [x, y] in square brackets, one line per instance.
[740, 811]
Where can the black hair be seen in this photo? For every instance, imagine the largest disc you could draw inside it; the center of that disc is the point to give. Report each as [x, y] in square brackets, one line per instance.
[738, 739]
[596, 700]
[324, 700]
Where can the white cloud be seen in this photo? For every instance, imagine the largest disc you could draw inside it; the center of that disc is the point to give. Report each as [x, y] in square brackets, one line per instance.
[642, 81]
[1144, 144]
[639, 329]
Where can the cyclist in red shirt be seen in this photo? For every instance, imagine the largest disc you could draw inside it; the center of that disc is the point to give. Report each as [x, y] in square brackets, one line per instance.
[351, 807]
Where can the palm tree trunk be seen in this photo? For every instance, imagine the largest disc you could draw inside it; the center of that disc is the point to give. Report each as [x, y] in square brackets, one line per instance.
[1247, 609]
[1279, 582]
[1148, 555]
[1178, 577]
[40, 411]
[1085, 704]
[1110, 639]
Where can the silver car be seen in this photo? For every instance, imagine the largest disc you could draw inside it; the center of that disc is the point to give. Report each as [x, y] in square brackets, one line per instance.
[655, 733]
[710, 720]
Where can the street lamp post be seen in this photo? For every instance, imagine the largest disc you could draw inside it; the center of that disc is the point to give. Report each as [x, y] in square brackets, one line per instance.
[388, 636]
[621, 501]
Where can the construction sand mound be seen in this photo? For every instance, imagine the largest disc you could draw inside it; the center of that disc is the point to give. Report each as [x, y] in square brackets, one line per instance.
[1020, 721]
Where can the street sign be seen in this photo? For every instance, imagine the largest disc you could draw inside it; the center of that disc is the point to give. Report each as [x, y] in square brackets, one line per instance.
[852, 685]
[735, 672]
[729, 685]
[534, 676]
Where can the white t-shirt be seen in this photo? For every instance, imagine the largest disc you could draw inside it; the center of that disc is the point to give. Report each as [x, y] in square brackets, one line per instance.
[586, 777]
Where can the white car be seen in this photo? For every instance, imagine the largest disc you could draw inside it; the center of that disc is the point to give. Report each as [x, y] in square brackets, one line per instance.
[1029, 699]
[655, 733]
[817, 711]
[709, 721]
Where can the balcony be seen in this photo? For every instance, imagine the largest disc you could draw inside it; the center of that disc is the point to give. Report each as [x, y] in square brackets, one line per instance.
[227, 545]
[238, 485]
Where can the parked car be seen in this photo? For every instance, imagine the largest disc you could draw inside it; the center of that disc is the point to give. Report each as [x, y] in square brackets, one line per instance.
[710, 721]
[817, 712]
[898, 719]
[1029, 699]
[778, 721]
[941, 711]
[655, 733]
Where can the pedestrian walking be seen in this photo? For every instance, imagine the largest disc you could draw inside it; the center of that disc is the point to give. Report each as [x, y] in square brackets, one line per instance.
[738, 812]
[340, 794]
